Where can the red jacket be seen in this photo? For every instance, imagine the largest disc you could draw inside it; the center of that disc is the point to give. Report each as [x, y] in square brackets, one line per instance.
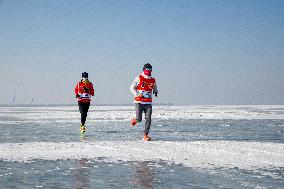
[85, 91]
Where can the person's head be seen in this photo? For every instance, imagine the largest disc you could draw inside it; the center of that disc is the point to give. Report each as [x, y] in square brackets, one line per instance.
[147, 69]
[85, 77]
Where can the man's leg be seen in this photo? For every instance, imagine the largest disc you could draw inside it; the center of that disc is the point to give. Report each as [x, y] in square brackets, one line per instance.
[139, 110]
[83, 107]
[148, 114]
[85, 111]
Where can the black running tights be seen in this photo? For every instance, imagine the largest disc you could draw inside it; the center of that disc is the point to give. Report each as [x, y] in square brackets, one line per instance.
[83, 107]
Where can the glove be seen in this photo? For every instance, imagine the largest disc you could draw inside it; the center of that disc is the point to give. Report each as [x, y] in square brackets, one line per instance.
[86, 89]
[139, 94]
[77, 95]
[156, 94]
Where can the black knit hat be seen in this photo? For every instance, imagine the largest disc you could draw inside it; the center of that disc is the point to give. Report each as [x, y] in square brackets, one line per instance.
[85, 74]
[148, 65]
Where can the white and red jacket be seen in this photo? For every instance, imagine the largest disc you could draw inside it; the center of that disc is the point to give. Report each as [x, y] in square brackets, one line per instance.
[84, 95]
[142, 88]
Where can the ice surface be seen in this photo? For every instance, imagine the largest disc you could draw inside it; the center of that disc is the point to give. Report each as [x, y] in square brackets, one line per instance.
[199, 154]
[216, 146]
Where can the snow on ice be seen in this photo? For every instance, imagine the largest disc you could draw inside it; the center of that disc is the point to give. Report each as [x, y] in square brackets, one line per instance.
[198, 154]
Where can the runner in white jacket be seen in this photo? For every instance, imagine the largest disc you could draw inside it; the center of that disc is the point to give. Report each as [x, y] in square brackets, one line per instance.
[142, 88]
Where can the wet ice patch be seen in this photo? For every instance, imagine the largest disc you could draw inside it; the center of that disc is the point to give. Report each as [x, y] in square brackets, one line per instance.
[90, 173]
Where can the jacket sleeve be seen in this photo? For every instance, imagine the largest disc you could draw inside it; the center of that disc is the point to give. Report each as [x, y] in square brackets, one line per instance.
[133, 87]
[76, 89]
[92, 91]
[155, 88]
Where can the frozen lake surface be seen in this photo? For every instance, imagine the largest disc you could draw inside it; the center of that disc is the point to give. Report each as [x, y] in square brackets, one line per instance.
[193, 147]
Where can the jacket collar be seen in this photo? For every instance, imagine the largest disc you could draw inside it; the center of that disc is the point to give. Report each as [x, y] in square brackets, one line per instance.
[146, 76]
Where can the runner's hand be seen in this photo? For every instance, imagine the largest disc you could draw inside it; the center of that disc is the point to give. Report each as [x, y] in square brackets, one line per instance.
[86, 89]
[156, 94]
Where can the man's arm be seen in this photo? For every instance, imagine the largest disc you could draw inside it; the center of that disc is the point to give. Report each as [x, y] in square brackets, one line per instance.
[155, 89]
[92, 91]
[76, 90]
[133, 87]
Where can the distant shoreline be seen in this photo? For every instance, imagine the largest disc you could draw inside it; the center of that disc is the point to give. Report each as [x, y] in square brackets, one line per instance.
[75, 104]
[131, 104]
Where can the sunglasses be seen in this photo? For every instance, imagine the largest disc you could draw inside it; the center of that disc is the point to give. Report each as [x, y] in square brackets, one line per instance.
[150, 69]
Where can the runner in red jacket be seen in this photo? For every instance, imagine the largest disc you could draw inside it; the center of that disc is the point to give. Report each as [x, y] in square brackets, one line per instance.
[83, 91]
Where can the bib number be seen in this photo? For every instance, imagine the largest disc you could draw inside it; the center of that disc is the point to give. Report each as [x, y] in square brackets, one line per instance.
[146, 94]
[85, 96]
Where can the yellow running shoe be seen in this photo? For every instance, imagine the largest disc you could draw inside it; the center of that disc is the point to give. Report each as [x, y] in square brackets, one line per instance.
[82, 128]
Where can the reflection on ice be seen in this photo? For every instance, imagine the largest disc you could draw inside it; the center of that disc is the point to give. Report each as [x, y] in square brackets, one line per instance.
[91, 173]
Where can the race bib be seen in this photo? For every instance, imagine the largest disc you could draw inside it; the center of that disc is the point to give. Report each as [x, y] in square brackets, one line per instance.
[85, 96]
[146, 94]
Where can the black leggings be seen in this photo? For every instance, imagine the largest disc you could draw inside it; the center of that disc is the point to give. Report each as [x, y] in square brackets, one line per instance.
[83, 107]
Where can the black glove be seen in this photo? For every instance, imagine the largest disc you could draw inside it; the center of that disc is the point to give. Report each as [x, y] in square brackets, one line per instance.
[156, 94]
[77, 95]
[86, 89]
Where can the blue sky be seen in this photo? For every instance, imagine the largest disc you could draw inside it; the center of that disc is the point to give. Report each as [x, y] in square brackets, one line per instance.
[202, 52]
